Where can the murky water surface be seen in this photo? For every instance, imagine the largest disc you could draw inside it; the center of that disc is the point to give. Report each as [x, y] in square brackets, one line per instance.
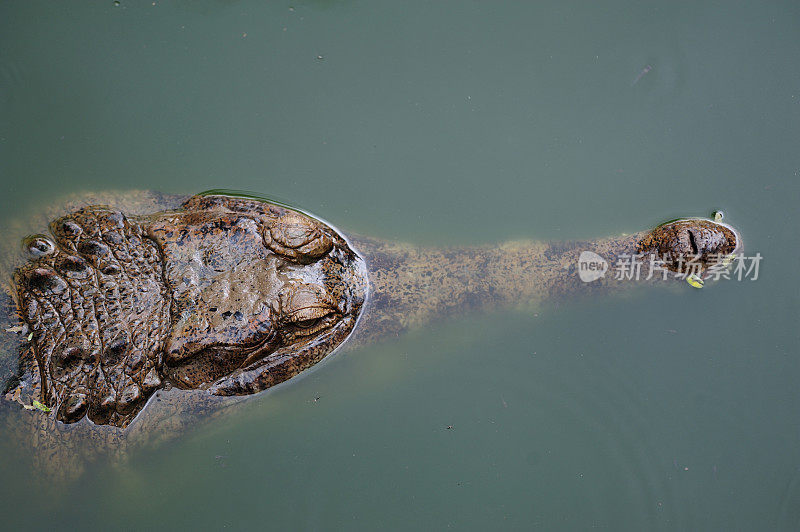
[448, 123]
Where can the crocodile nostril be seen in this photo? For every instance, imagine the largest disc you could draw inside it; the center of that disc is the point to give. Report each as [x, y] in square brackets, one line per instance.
[692, 242]
[38, 246]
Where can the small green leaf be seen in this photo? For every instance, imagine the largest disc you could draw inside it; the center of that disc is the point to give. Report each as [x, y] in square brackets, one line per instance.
[30, 337]
[39, 406]
[695, 281]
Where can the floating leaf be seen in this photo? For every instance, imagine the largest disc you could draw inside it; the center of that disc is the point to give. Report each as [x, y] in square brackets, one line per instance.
[695, 281]
[39, 406]
[16, 397]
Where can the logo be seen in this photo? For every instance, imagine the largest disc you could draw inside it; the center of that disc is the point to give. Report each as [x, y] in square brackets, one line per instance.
[591, 266]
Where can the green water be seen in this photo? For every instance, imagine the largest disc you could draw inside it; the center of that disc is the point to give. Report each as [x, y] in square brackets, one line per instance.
[450, 122]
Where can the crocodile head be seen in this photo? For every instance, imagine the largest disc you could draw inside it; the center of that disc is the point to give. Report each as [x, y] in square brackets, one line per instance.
[691, 243]
[227, 294]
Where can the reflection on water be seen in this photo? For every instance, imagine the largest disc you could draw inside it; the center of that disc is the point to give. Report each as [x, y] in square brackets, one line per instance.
[448, 123]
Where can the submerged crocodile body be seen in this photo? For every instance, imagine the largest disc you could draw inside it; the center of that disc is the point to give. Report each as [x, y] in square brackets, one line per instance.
[219, 295]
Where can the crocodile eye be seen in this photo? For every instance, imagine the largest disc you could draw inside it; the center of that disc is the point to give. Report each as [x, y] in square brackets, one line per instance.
[311, 326]
[298, 237]
[307, 324]
[309, 320]
[306, 309]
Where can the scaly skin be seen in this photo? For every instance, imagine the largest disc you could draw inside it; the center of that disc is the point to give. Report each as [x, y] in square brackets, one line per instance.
[204, 298]
[226, 294]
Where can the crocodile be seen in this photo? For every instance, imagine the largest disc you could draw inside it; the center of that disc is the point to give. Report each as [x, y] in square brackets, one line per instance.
[131, 316]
